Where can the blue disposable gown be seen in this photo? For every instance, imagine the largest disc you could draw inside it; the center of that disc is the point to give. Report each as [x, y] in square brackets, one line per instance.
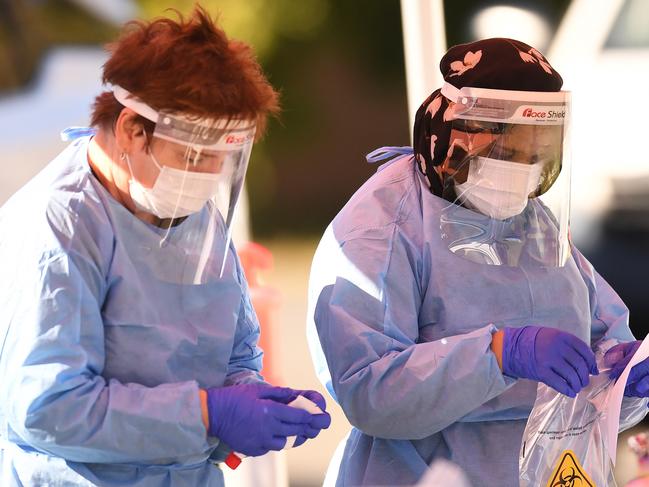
[400, 331]
[102, 357]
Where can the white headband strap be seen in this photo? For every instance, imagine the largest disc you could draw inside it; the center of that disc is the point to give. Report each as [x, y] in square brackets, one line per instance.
[462, 96]
[128, 100]
[452, 93]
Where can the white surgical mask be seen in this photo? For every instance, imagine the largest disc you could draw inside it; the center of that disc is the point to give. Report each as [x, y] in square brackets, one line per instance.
[497, 188]
[175, 193]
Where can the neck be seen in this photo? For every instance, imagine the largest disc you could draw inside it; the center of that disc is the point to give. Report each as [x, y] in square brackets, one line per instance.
[104, 158]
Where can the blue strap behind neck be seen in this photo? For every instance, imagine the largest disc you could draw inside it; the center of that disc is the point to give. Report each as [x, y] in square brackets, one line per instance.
[73, 133]
[388, 152]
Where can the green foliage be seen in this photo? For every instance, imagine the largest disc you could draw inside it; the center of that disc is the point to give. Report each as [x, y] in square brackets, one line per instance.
[261, 23]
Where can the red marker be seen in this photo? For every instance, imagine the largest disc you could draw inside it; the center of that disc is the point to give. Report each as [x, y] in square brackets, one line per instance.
[233, 460]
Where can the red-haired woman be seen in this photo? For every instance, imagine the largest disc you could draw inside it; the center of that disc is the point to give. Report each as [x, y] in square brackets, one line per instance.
[128, 341]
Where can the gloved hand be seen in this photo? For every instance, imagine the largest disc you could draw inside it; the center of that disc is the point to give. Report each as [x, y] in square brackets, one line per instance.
[618, 357]
[554, 357]
[318, 421]
[253, 418]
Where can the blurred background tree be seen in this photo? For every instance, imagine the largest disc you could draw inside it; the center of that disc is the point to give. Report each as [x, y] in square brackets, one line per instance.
[339, 68]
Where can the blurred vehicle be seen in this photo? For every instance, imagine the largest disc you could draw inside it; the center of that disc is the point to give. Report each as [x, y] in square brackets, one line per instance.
[602, 51]
[61, 95]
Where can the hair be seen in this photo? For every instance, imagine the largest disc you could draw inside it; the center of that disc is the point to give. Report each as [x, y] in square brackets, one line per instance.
[186, 66]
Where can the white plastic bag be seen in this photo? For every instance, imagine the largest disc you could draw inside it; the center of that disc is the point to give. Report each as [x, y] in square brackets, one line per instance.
[564, 442]
[443, 472]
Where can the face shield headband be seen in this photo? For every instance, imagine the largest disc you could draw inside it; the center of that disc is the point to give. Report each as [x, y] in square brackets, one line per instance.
[198, 133]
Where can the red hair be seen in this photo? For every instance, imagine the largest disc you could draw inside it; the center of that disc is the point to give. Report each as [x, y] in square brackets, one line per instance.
[187, 66]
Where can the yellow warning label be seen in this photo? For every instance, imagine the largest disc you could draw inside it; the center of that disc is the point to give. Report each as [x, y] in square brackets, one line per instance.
[568, 473]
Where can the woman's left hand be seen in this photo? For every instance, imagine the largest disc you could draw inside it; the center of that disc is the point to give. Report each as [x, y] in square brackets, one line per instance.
[617, 357]
[320, 421]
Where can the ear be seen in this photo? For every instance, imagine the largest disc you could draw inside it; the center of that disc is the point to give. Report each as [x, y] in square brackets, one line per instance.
[129, 132]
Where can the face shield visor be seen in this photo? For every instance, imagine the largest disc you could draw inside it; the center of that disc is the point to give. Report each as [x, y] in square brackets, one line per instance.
[200, 166]
[508, 176]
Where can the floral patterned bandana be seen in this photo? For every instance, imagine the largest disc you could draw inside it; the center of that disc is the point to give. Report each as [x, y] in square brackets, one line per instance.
[498, 63]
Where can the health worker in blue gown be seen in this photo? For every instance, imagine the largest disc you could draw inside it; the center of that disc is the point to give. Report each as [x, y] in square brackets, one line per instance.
[447, 287]
[129, 352]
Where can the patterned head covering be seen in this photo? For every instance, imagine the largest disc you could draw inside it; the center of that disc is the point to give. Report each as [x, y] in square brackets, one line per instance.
[498, 63]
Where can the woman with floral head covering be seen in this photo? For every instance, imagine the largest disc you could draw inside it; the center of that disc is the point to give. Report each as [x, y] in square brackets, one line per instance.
[447, 288]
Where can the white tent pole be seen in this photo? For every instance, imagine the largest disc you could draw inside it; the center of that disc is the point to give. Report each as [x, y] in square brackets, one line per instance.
[424, 44]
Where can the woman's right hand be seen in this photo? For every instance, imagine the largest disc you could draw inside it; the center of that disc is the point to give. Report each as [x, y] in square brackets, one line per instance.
[554, 357]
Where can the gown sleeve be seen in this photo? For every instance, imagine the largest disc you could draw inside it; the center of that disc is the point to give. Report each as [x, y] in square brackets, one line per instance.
[53, 359]
[367, 294]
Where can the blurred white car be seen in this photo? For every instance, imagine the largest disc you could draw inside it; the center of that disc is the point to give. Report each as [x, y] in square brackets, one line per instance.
[602, 51]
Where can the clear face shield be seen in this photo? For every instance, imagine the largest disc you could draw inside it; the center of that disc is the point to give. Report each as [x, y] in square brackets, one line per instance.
[508, 175]
[199, 167]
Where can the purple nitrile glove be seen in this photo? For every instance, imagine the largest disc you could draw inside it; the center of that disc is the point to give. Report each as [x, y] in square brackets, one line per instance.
[618, 357]
[253, 418]
[318, 421]
[554, 357]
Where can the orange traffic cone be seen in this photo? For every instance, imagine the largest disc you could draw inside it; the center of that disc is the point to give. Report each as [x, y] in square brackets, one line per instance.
[270, 469]
[256, 259]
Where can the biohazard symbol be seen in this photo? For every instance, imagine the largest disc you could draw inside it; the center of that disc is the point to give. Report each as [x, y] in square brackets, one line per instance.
[568, 473]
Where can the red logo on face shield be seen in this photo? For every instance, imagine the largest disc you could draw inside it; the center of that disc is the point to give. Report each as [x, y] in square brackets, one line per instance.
[550, 115]
[528, 112]
[236, 139]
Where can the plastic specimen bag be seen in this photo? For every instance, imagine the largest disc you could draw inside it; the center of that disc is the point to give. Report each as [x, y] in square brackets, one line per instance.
[565, 440]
